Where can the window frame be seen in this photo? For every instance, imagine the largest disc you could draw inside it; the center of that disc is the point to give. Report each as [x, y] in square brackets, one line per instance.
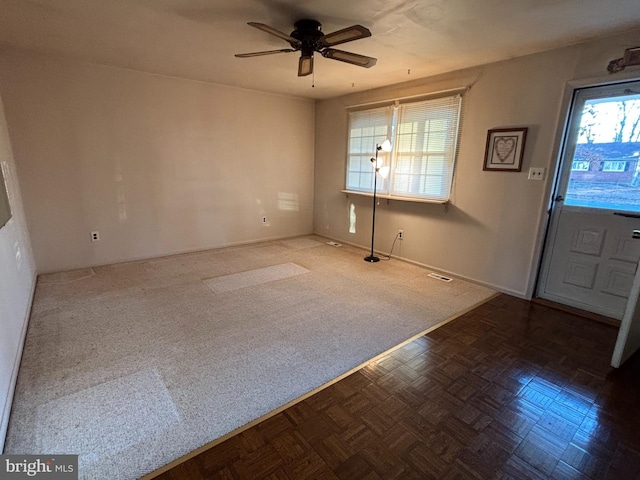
[389, 188]
[580, 163]
[612, 166]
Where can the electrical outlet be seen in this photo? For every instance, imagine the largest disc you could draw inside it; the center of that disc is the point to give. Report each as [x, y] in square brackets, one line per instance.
[95, 236]
[401, 234]
[536, 173]
[264, 220]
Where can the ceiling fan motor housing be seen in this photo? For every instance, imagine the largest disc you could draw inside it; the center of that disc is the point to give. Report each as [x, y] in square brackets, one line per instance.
[308, 32]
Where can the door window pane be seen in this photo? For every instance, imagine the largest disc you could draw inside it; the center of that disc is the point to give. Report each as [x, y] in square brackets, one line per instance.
[605, 171]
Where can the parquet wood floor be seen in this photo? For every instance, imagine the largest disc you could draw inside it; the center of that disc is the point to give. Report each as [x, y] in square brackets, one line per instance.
[510, 390]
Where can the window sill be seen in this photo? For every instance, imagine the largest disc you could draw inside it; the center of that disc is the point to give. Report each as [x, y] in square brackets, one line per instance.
[394, 197]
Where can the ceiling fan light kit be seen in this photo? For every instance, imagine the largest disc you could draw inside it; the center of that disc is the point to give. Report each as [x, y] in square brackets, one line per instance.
[307, 38]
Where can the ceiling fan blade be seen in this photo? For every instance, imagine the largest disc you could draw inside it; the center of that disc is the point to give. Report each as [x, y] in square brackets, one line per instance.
[305, 65]
[266, 28]
[348, 57]
[267, 52]
[354, 32]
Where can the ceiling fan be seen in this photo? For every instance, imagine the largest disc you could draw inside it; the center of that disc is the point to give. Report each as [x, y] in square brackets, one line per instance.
[308, 38]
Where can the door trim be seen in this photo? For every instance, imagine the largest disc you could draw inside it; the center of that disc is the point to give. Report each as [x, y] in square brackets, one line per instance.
[555, 166]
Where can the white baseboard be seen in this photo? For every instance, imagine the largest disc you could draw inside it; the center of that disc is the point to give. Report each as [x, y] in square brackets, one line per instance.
[498, 288]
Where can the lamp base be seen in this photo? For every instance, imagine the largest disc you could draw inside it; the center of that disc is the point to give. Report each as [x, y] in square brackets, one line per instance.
[371, 258]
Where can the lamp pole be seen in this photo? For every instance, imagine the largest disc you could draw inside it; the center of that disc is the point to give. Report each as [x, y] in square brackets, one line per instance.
[371, 257]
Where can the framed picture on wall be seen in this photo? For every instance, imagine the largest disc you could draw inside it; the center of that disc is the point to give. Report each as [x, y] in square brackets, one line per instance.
[505, 149]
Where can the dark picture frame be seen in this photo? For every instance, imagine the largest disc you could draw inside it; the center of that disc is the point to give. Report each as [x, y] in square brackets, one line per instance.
[505, 149]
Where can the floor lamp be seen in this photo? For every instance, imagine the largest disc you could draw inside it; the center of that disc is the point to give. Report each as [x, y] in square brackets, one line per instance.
[378, 168]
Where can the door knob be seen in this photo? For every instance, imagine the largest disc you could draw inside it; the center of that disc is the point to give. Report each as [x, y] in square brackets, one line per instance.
[635, 234]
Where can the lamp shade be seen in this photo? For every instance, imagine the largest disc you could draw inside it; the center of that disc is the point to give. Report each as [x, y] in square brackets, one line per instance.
[386, 146]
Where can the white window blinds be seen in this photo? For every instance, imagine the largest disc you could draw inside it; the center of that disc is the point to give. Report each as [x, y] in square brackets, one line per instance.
[367, 129]
[424, 138]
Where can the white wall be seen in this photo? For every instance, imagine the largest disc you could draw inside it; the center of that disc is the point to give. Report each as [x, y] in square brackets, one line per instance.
[17, 279]
[491, 230]
[157, 165]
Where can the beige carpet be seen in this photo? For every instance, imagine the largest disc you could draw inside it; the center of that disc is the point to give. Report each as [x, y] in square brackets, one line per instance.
[133, 365]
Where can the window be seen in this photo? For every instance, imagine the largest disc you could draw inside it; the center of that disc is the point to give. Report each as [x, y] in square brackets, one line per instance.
[603, 118]
[614, 166]
[579, 166]
[366, 130]
[424, 138]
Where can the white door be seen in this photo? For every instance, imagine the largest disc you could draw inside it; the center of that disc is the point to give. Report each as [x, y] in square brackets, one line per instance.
[629, 334]
[590, 258]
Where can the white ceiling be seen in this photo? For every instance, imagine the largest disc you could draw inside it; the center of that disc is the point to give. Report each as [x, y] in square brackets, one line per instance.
[197, 39]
